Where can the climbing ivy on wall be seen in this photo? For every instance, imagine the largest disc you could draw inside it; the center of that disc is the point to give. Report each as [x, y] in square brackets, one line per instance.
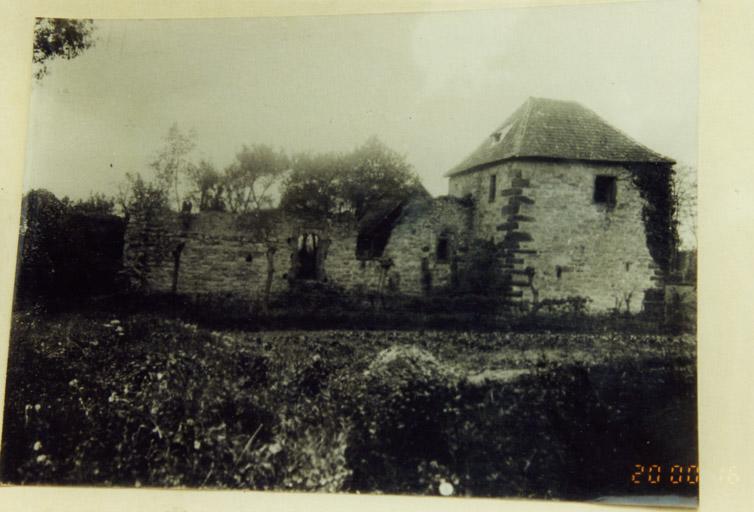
[147, 240]
[655, 184]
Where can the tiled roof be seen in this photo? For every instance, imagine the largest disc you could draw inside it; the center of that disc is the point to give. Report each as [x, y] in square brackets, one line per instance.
[545, 128]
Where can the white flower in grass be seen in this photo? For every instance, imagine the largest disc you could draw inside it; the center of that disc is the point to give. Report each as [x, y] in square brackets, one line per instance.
[115, 322]
[37, 407]
[446, 488]
[197, 445]
[41, 458]
[37, 446]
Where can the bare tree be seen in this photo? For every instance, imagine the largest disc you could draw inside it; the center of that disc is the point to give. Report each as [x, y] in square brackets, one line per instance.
[172, 163]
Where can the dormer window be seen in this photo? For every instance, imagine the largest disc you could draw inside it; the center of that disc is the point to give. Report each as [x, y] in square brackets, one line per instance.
[499, 135]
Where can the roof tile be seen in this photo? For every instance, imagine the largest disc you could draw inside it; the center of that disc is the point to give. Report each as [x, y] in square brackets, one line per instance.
[545, 128]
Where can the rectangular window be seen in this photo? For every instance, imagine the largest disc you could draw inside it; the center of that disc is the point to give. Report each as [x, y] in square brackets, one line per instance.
[443, 249]
[493, 187]
[604, 190]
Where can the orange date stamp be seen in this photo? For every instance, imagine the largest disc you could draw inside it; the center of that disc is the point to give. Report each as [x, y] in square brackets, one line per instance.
[656, 474]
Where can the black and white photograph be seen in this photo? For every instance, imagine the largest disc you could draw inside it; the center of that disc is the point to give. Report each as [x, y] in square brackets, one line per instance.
[448, 254]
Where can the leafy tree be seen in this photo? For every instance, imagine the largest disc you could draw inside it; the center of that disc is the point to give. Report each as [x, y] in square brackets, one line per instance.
[314, 185]
[377, 174]
[356, 182]
[95, 204]
[140, 196]
[248, 190]
[684, 197]
[146, 203]
[41, 236]
[59, 38]
[172, 163]
[249, 181]
[67, 249]
[208, 186]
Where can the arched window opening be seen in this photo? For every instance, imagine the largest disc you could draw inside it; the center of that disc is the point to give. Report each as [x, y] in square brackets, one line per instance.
[306, 252]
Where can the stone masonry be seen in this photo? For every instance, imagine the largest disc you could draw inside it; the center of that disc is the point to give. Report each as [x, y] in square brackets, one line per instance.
[554, 188]
[210, 252]
[545, 217]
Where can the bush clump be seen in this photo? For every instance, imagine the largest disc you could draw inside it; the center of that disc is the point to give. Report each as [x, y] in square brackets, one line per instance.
[399, 413]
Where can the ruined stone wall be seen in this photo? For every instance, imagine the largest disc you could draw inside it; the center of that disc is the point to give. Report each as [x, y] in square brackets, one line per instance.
[416, 238]
[545, 217]
[217, 255]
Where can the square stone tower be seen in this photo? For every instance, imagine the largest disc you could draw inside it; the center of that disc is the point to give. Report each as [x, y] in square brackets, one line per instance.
[568, 199]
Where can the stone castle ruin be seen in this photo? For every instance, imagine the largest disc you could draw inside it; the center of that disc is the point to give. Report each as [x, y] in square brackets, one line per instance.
[574, 207]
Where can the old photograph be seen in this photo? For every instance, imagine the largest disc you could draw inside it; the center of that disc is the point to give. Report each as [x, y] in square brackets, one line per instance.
[436, 254]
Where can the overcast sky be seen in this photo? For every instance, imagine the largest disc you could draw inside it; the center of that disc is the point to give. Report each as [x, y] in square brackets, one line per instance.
[430, 86]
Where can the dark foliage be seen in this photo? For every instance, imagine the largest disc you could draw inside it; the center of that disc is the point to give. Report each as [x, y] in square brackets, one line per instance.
[313, 187]
[67, 250]
[655, 183]
[156, 402]
[146, 204]
[318, 306]
[95, 204]
[481, 272]
[59, 38]
[153, 402]
[359, 183]
[209, 187]
[248, 181]
[568, 430]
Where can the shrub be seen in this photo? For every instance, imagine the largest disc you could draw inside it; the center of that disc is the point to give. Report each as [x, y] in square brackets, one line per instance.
[158, 403]
[67, 251]
[399, 416]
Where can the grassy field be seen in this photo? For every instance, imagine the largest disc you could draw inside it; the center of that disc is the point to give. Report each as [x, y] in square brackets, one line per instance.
[144, 400]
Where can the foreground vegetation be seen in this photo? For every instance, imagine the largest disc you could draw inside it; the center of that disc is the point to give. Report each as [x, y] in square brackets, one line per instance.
[145, 400]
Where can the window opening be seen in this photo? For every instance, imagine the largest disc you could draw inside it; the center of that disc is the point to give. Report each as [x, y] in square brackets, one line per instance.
[307, 245]
[443, 248]
[604, 190]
